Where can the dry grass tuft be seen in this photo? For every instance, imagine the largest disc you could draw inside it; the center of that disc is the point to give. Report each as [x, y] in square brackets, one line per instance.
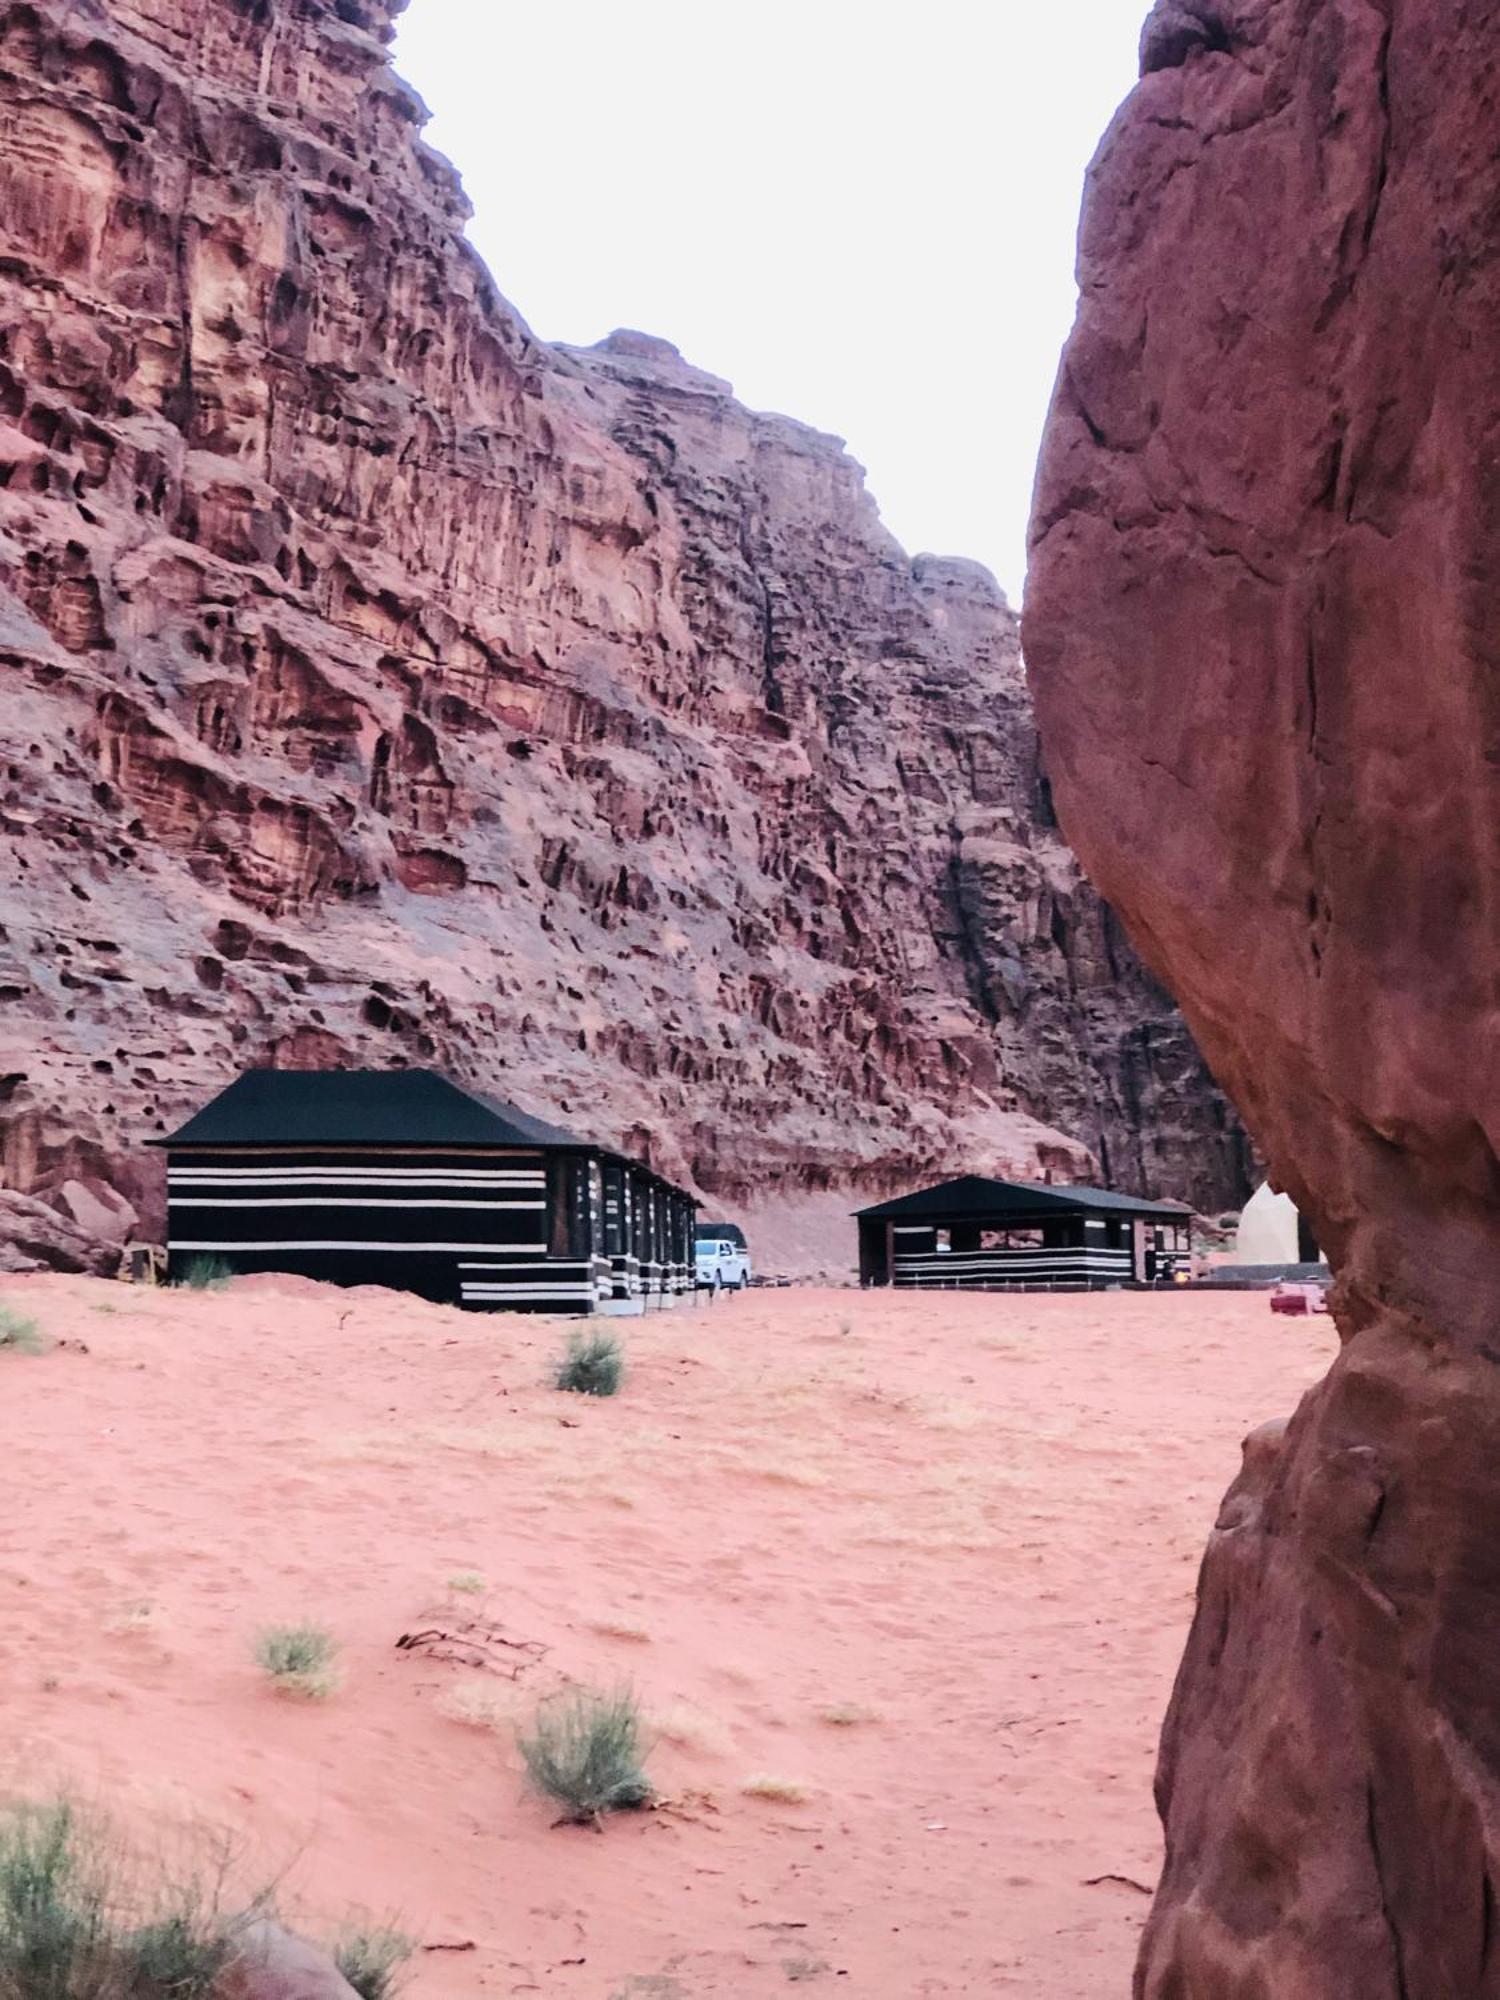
[776, 1469]
[477, 1704]
[846, 1715]
[689, 1729]
[782, 1791]
[620, 1628]
[140, 1616]
[468, 1583]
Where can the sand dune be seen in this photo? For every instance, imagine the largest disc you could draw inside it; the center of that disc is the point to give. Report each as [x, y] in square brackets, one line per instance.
[900, 1581]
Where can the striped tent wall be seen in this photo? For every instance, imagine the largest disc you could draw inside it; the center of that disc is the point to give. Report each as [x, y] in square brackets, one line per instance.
[491, 1230]
[545, 1284]
[988, 1270]
[408, 1219]
[1088, 1260]
[409, 1179]
[645, 1257]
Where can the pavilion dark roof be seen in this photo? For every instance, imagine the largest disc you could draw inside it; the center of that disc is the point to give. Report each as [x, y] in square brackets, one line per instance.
[362, 1107]
[972, 1195]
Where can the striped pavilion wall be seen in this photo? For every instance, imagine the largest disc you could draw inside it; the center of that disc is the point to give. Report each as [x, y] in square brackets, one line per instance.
[473, 1227]
[645, 1241]
[1078, 1256]
[991, 1270]
[359, 1216]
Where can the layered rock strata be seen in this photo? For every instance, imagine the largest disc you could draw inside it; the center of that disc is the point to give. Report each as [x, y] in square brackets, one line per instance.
[1261, 633]
[382, 685]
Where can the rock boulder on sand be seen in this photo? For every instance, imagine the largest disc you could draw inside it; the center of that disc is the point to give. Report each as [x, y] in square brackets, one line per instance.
[389, 686]
[35, 1237]
[272, 1964]
[98, 1209]
[1261, 631]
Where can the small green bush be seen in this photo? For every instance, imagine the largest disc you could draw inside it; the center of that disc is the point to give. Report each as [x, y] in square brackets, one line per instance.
[19, 1335]
[300, 1659]
[205, 1274]
[584, 1752]
[593, 1365]
[371, 1961]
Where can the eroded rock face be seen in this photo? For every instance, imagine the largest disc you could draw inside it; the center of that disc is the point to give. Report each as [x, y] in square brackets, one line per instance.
[1260, 631]
[380, 684]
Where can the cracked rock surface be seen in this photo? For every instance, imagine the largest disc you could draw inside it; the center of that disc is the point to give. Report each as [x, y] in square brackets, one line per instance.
[383, 685]
[1261, 636]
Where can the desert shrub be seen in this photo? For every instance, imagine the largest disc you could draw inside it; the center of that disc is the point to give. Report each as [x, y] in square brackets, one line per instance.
[53, 1930]
[300, 1659]
[19, 1335]
[180, 1953]
[371, 1961]
[63, 1928]
[468, 1583]
[205, 1274]
[593, 1365]
[584, 1751]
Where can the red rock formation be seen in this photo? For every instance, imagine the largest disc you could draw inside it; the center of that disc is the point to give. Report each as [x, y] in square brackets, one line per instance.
[1261, 636]
[383, 685]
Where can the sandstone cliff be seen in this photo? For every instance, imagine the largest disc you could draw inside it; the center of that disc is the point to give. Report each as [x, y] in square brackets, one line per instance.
[1262, 638]
[383, 685]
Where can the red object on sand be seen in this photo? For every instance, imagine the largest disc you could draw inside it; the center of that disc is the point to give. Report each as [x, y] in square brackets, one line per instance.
[1294, 1298]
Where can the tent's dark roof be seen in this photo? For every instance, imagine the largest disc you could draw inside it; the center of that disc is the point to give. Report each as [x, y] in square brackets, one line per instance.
[973, 1195]
[361, 1107]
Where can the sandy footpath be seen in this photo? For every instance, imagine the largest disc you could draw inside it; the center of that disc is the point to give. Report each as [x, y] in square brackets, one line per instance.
[927, 1560]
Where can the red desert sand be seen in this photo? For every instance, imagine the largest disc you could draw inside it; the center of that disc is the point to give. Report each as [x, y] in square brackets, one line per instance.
[900, 1581]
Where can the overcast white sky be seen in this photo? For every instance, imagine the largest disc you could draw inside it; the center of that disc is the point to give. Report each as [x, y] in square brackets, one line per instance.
[861, 213]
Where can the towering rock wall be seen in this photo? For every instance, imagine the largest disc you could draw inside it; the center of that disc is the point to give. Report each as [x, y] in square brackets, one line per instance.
[380, 685]
[1263, 635]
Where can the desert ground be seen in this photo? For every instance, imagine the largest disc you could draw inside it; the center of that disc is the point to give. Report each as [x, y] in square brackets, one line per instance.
[900, 1582]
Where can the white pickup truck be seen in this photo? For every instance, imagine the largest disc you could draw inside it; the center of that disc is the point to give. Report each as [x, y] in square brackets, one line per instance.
[723, 1257]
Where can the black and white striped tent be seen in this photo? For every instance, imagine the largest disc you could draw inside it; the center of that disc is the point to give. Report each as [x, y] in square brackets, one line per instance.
[405, 1178]
[981, 1235]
